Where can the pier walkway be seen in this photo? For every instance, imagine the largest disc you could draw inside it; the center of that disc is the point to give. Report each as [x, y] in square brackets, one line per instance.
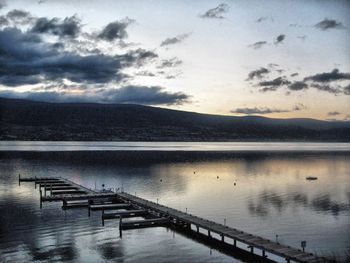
[159, 215]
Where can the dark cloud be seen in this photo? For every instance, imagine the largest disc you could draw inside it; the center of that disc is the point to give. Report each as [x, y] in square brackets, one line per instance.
[69, 27]
[174, 40]
[26, 59]
[334, 75]
[333, 113]
[256, 110]
[259, 73]
[170, 63]
[279, 39]
[277, 82]
[217, 12]
[328, 88]
[294, 74]
[3, 21]
[298, 85]
[115, 30]
[258, 44]
[327, 24]
[153, 95]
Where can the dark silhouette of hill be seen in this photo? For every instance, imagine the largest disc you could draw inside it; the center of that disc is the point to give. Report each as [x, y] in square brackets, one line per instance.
[31, 120]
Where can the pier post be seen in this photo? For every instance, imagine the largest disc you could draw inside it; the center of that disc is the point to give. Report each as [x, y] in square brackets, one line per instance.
[251, 249]
[287, 260]
[197, 229]
[19, 179]
[89, 203]
[209, 235]
[222, 238]
[263, 254]
[235, 243]
[41, 201]
[35, 183]
[120, 226]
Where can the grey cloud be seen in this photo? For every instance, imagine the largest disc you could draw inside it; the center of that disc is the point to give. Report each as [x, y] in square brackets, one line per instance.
[279, 39]
[256, 110]
[294, 74]
[170, 63]
[26, 59]
[19, 16]
[145, 73]
[298, 85]
[263, 18]
[174, 40]
[258, 44]
[333, 113]
[144, 95]
[69, 27]
[303, 37]
[115, 30]
[299, 107]
[257, 73]
[347, 90]
[217, 12]
[334, 75]
[2, 4]
[327, 24]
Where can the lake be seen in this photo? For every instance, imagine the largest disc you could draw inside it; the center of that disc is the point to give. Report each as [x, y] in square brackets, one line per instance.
[256, 187]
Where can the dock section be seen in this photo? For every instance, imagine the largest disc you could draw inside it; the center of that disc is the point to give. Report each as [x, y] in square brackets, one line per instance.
[124, 205]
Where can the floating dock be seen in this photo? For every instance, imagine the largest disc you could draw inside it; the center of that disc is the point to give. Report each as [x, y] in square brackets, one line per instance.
[128, 206]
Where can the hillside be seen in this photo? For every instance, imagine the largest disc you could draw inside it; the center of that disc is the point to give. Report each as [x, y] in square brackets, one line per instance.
[29, 120]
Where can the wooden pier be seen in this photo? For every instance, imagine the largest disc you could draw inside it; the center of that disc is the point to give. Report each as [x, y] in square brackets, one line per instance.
[158, 215]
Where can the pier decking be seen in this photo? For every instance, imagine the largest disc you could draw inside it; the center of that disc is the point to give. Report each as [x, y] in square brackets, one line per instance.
[160, 215]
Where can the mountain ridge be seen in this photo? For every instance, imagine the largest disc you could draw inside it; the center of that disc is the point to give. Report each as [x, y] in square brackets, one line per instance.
[33, 120]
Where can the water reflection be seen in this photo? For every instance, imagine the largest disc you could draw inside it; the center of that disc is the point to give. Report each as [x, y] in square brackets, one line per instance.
[261, 193]
[272, 200]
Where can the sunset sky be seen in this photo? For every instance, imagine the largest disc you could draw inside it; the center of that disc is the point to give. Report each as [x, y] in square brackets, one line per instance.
[273, 58]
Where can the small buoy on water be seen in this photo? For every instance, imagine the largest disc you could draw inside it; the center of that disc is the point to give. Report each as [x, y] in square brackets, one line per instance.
[161, 180]
[234, 184]
[217, 177]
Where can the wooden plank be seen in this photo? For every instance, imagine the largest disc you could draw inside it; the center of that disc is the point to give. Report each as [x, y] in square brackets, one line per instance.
[144, 223]
[61, 188]
[60, 192]
[109, 206]
[124, 214]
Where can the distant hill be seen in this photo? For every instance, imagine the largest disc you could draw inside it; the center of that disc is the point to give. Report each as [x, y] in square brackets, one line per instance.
[29, 120]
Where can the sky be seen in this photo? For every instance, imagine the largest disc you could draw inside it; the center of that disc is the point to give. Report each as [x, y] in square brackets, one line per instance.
[279, 59]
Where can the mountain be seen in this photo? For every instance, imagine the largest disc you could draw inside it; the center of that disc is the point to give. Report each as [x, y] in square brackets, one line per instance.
[31, 120]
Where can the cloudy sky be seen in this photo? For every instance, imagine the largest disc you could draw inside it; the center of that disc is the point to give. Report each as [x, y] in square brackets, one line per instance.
[272, 58]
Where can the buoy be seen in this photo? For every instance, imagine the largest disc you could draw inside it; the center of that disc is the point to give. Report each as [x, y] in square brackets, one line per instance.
[217, 177]
[161, 180]
[234, 184]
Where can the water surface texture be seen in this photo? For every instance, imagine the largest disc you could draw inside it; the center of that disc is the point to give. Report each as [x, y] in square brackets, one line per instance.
[261, 192]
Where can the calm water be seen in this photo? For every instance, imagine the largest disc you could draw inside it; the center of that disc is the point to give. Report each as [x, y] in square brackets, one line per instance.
[271, 197]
